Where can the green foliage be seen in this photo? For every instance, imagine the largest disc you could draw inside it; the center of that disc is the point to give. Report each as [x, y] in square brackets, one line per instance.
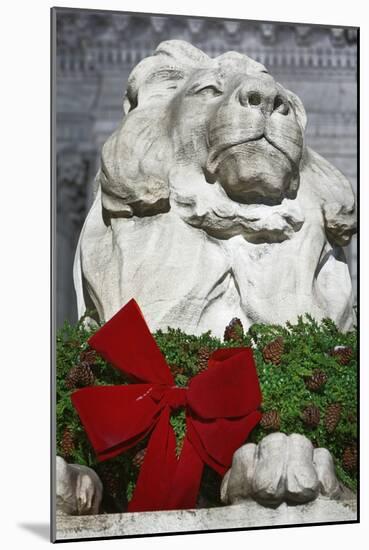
[306, 347]
[178, 422]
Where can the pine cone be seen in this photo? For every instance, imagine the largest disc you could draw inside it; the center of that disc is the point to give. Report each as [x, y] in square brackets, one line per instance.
[342, 354]
[311, 416]
[273, 351]
[110, 480]
[175, 369]
[233, 331]
[316, 380]
[270, 421]
[80, 376]
[86, 376]
[139, 458]
[349, 458]
[67, 444]
[72, 378]
[202, 358]
[332, 416]
[88, 356]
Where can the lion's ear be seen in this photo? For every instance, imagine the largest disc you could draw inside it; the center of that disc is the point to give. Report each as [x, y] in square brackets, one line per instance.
[336, 196]
[134, 164]
[298, 108]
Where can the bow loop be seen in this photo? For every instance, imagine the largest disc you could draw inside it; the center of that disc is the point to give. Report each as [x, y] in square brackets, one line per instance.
[126, 342]
[229, 388]
[116, 417]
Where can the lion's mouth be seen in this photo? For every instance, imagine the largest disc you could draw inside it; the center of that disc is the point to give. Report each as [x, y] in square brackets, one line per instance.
[218, 154]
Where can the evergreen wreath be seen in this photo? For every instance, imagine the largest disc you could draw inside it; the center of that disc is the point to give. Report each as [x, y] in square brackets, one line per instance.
[299, 369]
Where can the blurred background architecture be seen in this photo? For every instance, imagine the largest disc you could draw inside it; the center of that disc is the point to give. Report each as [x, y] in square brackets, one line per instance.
[95, 54]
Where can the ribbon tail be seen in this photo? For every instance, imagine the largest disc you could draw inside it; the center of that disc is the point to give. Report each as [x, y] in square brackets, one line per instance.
[157, 472]
[187, 479]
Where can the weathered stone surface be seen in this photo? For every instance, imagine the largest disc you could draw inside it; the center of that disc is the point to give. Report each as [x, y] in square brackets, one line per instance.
[243, 515]
[238, 481]
[78, 489]
[324, 467]
[280, 468]
[209, 206]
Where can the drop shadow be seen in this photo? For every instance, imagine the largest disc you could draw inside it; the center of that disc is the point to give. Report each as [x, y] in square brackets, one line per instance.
[42, 530]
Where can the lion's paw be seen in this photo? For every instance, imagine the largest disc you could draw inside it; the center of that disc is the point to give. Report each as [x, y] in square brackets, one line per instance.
[78, 489]
[280, 468]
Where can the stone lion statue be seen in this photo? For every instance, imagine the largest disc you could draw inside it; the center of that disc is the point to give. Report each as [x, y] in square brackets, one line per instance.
[209, 206]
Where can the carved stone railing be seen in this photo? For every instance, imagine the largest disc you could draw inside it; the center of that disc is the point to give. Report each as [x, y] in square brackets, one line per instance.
[123, 39]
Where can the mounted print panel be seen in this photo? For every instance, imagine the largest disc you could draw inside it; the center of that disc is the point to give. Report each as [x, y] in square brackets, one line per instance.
[205, 294]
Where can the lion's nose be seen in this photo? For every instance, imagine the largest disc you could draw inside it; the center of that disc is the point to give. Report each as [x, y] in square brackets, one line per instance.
[266, 98]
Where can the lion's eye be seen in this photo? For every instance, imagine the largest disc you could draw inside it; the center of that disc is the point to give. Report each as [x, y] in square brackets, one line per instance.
[208, 91]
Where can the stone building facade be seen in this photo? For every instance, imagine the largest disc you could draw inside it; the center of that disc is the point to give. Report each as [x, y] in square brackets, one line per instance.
[95, 52]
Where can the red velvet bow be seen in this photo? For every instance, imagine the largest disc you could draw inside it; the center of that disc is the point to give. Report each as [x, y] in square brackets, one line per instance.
[221, 410]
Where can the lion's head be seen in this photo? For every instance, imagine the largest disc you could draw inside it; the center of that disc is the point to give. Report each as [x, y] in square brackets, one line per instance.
[206, 175]
[219, 140]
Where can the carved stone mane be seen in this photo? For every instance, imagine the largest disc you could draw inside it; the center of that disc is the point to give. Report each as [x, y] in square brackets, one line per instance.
[209, 205]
